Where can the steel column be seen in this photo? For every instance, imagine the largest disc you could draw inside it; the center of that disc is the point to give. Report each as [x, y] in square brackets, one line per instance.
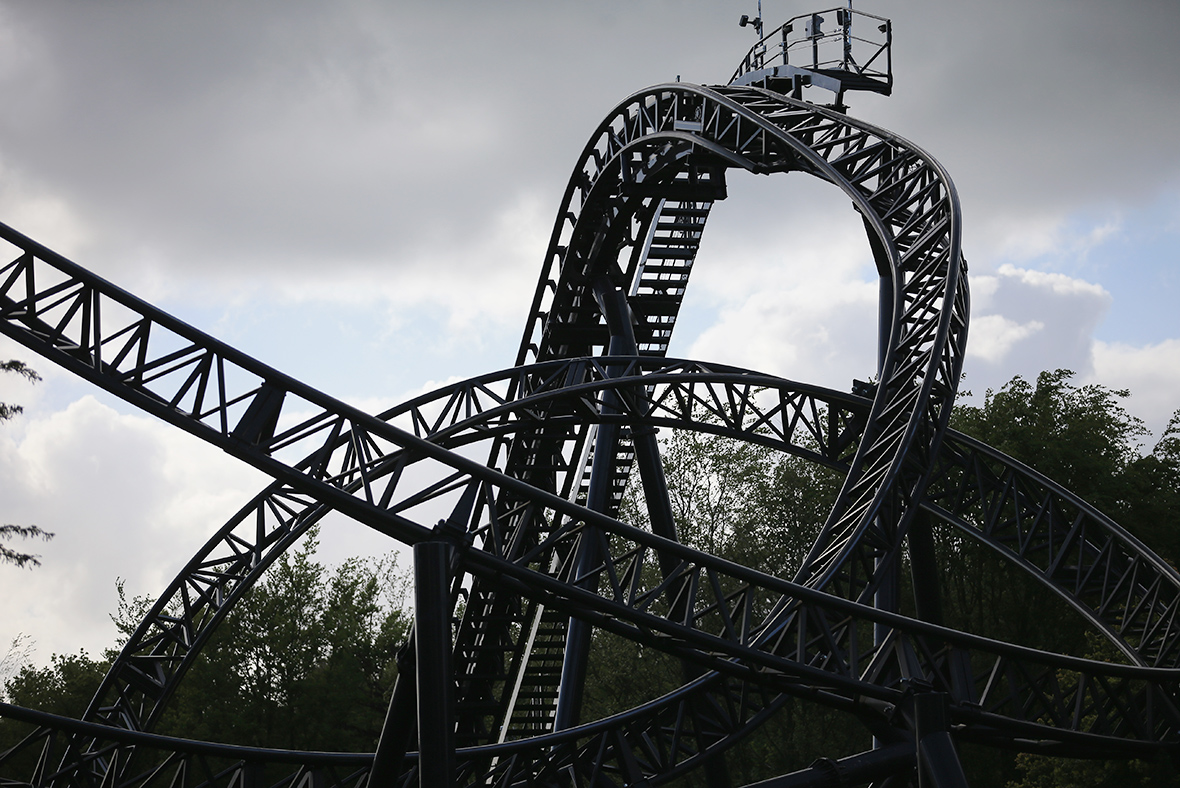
[570, 692]
[398, 730]
[938, 762]
[435, 683]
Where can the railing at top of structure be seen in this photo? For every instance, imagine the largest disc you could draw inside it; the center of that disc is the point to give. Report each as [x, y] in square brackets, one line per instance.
[839, 49]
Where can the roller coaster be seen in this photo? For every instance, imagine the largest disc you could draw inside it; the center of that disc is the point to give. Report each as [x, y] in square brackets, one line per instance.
[530, 537]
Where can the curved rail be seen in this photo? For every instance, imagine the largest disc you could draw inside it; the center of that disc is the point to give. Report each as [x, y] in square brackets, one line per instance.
[912, 214]
[671, 140]
[640, 194]
[619, 260]
[681, 386]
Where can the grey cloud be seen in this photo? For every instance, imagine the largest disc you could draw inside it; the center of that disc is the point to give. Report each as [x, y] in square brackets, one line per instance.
[277, 143]
[1042, 107]
[241, 141]
[289, 136]
[1057, 316]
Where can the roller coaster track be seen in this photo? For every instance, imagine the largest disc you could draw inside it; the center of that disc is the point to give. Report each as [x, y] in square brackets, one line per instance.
[1001, 504]
[541, 553]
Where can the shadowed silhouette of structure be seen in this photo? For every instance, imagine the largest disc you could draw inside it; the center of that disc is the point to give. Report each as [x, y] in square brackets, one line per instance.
[529, 536]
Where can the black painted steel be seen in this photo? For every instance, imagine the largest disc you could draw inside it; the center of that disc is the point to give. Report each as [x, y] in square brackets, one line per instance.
[432, 644]
[537, 546]
[839, 49]
[747, 384]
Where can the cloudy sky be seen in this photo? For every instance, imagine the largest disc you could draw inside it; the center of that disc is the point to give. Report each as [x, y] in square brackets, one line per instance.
[360, 193]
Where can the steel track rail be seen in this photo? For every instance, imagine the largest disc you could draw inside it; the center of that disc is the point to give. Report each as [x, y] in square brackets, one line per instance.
[745, 381]
[678, 139]
[911, 209]
[263, 412]
[632, 218]
[821, 427]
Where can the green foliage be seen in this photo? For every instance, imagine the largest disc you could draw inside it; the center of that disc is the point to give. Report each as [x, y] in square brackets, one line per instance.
[7, 532]
[307, 662]
[64, 687]
[16, 557]
[749, 504]
[1083, 438]
[742, 501]
[756, 506]
[1153, 495]
[1041, 771]
[23, 370]
[20, 650]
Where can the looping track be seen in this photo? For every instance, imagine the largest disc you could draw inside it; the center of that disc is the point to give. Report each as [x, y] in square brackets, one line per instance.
[543, 557]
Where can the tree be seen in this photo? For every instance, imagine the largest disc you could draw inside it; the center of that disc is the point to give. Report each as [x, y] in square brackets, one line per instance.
[753, 505]
[63, 687]
[9, 555]
[307, 660]
[1083, 438]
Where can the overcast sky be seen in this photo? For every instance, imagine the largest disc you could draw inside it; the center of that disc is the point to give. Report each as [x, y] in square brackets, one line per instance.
[360, 193]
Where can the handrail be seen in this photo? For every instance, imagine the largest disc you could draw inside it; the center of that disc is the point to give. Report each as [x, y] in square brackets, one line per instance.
[802, 42]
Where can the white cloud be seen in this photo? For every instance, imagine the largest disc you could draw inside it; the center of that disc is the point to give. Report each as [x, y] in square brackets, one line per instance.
[993, 336]
[983, 288]
[1151, 372]
[406, 160]
[812, 332]
[1058, 284]
[1024, 321]
[127, 497]
[40, 213]
[1056, 238]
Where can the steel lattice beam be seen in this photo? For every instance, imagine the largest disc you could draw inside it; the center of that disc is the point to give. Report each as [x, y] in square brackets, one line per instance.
[535, 532]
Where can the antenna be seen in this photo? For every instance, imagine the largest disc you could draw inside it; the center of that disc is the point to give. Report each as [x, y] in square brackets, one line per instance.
[821, 50]
[756, 21]
[847, 32]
